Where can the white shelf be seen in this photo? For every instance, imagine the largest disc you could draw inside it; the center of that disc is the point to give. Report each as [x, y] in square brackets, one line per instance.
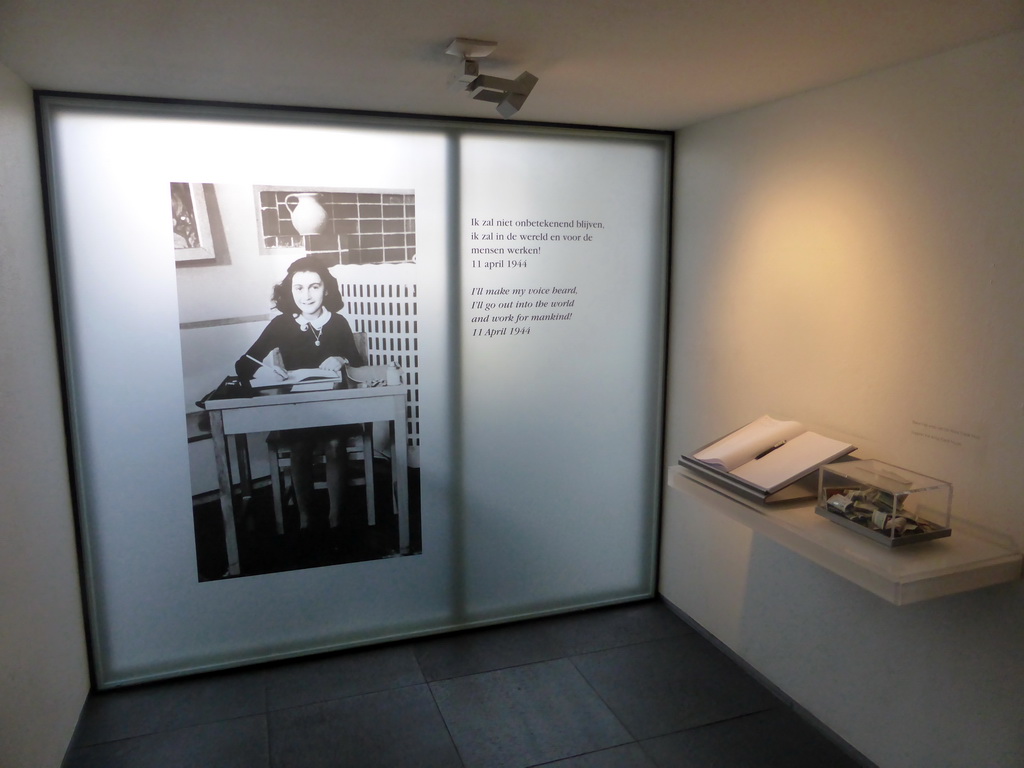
[960, 563]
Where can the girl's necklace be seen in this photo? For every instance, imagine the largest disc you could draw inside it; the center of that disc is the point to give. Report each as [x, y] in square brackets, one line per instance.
[305, 322]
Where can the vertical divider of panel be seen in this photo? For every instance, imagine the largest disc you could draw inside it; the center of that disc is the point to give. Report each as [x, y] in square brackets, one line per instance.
[454, 335]
[657, 430]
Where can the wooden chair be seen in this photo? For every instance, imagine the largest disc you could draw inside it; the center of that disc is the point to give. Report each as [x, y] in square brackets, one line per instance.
[360, 446]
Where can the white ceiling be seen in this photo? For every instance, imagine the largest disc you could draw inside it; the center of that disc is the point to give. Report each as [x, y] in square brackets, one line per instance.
[635, 63]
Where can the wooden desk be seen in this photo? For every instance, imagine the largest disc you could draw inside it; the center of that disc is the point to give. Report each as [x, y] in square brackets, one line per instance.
[266, 412]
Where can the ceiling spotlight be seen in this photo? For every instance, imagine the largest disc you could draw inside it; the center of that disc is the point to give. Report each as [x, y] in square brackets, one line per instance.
[509, 95]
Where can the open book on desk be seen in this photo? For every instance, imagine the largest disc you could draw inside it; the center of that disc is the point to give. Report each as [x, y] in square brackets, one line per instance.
[765, 459]
[300, 380]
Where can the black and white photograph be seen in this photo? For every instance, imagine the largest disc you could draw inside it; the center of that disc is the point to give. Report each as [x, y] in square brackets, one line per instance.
[300, 359]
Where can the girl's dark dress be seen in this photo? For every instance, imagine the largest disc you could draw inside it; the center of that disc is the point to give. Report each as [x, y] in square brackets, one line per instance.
[298, 347]
[299, 350]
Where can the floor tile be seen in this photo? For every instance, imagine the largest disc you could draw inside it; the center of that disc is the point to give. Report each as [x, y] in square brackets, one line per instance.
[336, 676]
[615, 626]
[664, 686]
[240, 743]
[485, 650]
[774, 739]
[518, 717]
[569, 691]
[626, 756]
[166, 706]
[399, 728]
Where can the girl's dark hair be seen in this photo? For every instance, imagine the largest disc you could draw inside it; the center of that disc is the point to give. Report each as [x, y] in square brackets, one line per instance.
[282, 296]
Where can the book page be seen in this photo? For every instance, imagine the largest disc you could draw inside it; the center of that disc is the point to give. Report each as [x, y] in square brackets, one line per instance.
[794, 459]
[745, 443]
[264, 377]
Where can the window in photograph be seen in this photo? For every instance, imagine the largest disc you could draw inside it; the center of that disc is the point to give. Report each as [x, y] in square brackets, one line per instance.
[347, 227]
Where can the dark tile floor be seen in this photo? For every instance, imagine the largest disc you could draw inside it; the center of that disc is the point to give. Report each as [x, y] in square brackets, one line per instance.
[629, 686]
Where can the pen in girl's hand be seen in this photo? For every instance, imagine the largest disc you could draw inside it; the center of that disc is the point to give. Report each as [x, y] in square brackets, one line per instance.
[273, 368]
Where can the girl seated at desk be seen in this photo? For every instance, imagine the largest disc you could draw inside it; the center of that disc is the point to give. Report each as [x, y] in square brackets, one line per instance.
[309, 333]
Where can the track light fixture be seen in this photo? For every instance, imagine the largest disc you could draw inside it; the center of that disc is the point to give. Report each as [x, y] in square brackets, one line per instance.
[509, 95]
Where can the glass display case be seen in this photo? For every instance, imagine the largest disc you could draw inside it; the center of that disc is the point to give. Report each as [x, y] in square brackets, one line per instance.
[888, 504]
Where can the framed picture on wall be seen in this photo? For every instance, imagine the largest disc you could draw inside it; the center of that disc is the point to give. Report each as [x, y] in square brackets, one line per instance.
[191, 226]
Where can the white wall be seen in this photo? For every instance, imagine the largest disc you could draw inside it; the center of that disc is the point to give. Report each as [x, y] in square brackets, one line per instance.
[43, 669]
[854, 257]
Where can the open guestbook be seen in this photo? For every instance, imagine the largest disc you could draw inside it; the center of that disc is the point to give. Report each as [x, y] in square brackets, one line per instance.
[766, 459]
